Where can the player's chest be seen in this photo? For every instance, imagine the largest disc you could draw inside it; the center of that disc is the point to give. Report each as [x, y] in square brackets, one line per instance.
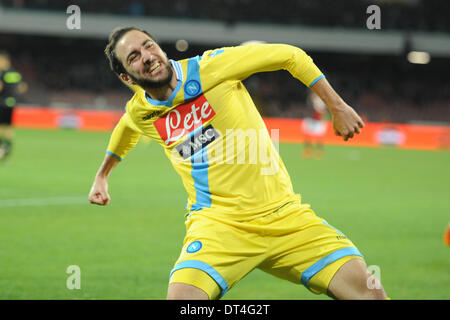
[170, 126]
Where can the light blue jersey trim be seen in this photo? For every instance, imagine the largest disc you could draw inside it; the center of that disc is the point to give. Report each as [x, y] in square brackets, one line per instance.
[192, 86]
[113, 154]
[200, 165]
[317, 79]
[216, 52]
[327, 224]
[327, 260]
[179, 75]
[178, 69]
[206, 268]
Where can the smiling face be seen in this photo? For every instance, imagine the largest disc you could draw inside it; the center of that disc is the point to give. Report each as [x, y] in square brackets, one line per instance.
[144, 61]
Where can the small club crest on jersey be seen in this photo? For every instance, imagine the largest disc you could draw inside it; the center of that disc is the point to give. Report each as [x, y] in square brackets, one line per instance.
[194, 247]
[192, 88]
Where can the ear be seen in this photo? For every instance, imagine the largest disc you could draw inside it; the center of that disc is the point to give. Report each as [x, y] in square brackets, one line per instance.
[126, 78]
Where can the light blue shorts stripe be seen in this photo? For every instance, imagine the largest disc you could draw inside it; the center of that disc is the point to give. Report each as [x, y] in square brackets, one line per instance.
[206, 268]
[327, 260]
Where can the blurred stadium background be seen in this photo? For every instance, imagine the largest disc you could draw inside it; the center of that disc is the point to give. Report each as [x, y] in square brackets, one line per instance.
[128, 251]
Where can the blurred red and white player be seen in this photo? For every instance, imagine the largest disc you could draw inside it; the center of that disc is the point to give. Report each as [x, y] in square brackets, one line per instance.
[314, 128]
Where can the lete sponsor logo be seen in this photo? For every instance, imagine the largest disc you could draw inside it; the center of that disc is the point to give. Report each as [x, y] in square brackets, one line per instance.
[183, 119]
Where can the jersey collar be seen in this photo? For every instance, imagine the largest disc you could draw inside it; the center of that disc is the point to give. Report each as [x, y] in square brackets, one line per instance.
[179, 75]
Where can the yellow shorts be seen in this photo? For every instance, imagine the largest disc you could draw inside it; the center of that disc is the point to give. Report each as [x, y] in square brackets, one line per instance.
[291, 243]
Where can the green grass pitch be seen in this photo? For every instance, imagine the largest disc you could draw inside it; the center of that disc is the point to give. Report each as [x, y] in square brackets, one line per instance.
[393, 204]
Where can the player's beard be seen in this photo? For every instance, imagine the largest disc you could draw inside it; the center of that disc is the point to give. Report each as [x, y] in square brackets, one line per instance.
[153, 84]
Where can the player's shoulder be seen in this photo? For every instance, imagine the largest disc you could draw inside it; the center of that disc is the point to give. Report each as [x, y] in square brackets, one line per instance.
[232, 52]
[136, 100]
[203, 58]
[213, 53]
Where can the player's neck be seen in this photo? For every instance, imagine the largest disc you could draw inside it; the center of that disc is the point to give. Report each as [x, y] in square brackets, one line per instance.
[163, 93]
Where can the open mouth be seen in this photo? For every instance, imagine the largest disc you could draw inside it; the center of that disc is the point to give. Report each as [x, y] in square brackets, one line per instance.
[154, 67]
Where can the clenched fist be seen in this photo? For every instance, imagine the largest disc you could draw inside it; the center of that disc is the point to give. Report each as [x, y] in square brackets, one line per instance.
[346, 122]
[99, 192]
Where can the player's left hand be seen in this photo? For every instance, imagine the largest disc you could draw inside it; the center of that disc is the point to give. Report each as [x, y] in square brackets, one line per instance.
[346, 122]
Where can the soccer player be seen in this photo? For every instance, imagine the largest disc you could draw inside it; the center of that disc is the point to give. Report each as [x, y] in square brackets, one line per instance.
[314, 128]
[242, 211]
[11, 86]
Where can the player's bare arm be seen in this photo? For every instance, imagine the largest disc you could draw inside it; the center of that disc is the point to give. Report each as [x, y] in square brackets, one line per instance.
[99, 191]
[346, 122]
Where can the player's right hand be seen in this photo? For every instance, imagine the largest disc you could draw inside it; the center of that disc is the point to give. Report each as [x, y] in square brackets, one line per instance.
[99, 193]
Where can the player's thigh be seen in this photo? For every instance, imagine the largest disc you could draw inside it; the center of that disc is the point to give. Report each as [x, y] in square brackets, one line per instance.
[191, 283]
[311, 255]
[353, 281]
[201, 289]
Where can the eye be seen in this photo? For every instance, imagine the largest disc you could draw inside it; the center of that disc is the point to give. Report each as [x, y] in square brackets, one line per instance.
[132, 58]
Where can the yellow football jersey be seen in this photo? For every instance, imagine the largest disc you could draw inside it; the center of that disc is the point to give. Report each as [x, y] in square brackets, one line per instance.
[212, 132]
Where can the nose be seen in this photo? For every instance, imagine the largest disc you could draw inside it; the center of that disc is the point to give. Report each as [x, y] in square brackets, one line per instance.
[146, 57]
